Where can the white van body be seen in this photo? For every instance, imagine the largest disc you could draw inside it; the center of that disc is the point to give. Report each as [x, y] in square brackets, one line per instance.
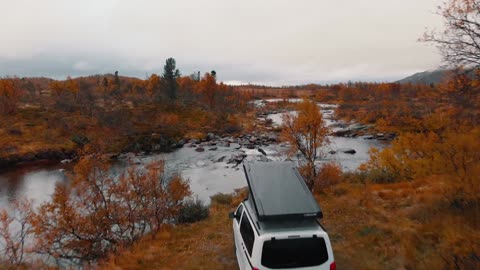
[281, 244]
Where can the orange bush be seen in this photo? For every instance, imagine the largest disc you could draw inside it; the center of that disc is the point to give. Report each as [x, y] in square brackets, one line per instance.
[329, 175]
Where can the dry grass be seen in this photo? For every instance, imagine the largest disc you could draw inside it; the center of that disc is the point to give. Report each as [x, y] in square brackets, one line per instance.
[203, 245]
[31, 132]
[407, 225]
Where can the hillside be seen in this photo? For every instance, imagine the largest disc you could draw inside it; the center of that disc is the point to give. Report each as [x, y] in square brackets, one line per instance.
[432, 76]
[426, 77]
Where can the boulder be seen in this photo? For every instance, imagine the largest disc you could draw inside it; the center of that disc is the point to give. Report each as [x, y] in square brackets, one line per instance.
[200, 149]
[180, 143]
[348, 151]
[357, 126]
[237, 158]
[272, 138]
[262, 158]
[221, 159]
[194, 141]
[250, 146]
[213, 148]
[262, 151]
[341, 133]
[190, 145]
[209, 137]
[223, 144]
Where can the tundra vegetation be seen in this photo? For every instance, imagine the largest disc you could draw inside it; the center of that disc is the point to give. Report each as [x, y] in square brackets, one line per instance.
[48, 119]
[413, 205]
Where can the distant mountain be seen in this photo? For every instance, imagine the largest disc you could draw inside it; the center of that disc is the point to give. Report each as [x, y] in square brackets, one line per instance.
[427, 77]
[433, 76]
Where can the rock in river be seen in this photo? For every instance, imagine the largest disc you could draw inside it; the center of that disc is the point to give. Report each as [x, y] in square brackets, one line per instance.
[250, 146]
[347, 150]
[223, 144]
[221, 159]
[238, 158]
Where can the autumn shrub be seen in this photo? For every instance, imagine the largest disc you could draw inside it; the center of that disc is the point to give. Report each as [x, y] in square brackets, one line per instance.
[383, 167]
[10, 95]
[80, 140]
[240, 195]
[340, 191]
[453, 156]
[192, 210]
[231, 128]
[355, 177]
[329, 175]
[98, 212]
[220, 198]
[15, 229]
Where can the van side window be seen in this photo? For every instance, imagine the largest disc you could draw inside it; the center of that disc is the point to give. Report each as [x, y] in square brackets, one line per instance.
[238, 214]
[247, 234]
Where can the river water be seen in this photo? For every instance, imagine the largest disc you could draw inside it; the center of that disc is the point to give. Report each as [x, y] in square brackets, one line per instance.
[207, 176]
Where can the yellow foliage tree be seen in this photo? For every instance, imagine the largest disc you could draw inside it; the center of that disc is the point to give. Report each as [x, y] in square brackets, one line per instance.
[306, 133]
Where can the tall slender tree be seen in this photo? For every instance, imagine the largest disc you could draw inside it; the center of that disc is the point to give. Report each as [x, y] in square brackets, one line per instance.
[306, 133]
[169, 77]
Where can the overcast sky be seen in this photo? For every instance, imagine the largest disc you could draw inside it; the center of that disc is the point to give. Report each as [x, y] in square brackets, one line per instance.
[273, 42]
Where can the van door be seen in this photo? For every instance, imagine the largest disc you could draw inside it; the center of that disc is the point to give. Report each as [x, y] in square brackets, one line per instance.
[248, 239]
[238, 238]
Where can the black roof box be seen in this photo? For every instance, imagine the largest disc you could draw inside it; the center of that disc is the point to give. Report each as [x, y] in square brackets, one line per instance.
[278, 191]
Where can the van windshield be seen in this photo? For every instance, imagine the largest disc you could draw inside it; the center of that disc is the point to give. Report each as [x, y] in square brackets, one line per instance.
[293, 253]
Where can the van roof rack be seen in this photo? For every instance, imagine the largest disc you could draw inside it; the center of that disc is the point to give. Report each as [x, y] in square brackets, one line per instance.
[278, 191]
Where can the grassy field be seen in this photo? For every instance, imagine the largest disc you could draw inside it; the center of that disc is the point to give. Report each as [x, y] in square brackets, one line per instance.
[203, 245]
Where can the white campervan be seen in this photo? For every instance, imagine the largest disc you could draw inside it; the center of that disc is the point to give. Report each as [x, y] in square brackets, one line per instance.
[277, 227]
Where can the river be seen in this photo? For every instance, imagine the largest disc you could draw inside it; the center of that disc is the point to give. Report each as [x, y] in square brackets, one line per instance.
[207, 175]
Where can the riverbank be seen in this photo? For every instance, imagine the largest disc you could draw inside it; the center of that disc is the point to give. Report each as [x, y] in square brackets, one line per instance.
[260, 127]
[209, 160]
[35, 134]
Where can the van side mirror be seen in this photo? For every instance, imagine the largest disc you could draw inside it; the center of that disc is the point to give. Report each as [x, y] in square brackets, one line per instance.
[231, 215]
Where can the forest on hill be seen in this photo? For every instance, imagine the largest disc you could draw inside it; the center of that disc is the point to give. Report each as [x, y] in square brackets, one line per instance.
[49, 119]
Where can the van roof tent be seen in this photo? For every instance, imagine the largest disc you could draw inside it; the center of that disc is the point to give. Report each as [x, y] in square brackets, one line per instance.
[278, 191]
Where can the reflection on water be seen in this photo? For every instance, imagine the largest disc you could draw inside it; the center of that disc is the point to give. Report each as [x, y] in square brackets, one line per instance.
[206, 173]
[35, 182]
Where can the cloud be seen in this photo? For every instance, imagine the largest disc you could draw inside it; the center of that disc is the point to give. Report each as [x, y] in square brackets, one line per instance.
[83, 66]
[271, 41]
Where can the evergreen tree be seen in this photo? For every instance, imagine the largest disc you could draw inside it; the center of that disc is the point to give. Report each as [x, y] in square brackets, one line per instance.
[170, 75]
